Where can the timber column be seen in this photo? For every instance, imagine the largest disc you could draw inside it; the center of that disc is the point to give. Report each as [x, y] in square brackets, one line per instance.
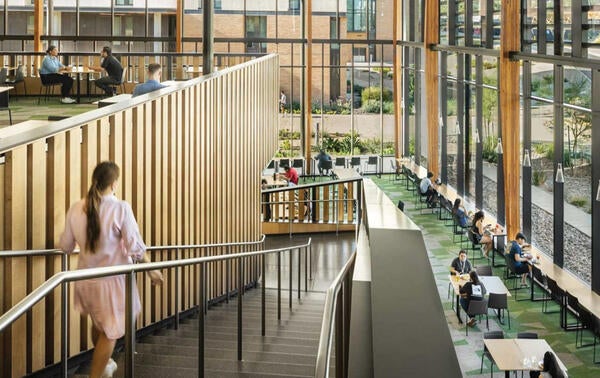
[432, 29]
[509, 112]
[207, 37]
[308, 85]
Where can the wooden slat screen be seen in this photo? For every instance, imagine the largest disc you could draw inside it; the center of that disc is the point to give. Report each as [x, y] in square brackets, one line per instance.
[190, 167]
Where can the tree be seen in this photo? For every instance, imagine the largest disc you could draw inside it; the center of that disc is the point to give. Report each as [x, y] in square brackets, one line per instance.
[489, 104]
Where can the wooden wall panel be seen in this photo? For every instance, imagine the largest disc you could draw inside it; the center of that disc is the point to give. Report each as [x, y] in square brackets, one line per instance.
[190, 167]
[36, 239]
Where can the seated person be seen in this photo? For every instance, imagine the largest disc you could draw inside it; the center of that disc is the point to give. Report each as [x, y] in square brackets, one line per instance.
[483, 234]
[550, 368]
[290, 175]
[460, 264]
[471, 291]
[426, 187]
[51, 73]
[152, 83]
[459, 211]
[322, 157]
[112, 66]
[521, 259]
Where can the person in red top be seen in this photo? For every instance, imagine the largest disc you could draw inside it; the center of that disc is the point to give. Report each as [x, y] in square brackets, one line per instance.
[290, 175]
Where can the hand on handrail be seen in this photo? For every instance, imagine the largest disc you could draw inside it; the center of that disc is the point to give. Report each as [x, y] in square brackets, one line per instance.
[156, 277]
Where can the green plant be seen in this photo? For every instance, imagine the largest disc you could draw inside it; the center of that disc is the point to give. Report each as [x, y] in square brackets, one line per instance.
[411, 146]
[371, 106]
[374, 93]
[538, 177]
[489, 149]
[350, 143]
[331, 144]
[578, 201]
[451, 106]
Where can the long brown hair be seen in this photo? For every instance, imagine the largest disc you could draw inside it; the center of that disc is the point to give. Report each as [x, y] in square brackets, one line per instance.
[104, 175]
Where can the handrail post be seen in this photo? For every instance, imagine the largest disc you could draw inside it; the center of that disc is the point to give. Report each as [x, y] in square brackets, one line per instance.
[263, 294]
[299, 271]
[311, 259]
[201, 324]
[129, 325]
[305, 269]
[291, 251]
[239, 314]
[64, 321]
[278, 285]
[227, 275]
[176, 291]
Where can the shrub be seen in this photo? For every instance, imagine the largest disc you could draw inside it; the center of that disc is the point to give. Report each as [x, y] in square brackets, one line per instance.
[489, 149]
[578, 201]
[371, 106]
[374, 93]
[538, 177]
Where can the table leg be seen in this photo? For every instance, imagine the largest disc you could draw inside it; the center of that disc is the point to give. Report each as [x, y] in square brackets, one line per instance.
[78, 88]
[507, 374]
[458, 309]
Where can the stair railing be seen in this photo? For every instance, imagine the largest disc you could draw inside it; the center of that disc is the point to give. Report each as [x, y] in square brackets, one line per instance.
[330, 202]
[65, 277]
[336, 316]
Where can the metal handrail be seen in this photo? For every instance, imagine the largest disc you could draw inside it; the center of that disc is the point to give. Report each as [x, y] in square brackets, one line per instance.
[63, 278]
[44, 252]
[326, 336]
[313, 185]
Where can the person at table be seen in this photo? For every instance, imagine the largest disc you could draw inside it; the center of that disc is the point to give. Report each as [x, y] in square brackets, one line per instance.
[471, 291]
[290, 175]
[112, 67]
[152, 83]
[460, 264]
[550, 368]
[51, 72]
[482, 234]
[521, 259]
[460, 213]
[427, 188]
[322, 158]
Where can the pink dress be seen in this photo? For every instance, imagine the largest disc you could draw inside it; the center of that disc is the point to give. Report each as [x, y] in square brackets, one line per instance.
[104, 298]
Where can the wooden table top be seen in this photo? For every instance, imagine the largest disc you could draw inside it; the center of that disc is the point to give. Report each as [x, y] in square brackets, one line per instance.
[493, 284]
[510, 353]
[5, 89]
[274, 183]
[21, 127]
[346, 173]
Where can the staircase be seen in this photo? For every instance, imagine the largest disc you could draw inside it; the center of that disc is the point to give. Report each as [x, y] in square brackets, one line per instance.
[288, 350]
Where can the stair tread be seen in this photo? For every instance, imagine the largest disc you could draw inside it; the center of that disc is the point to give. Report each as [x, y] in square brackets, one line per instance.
[231, 344]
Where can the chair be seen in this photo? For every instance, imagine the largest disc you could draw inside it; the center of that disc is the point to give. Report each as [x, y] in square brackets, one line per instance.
[484, 270]
[395, 170]
[499, 243]
[499, 302]
[572, 307]
[327, 167]
[299, 165]
[557, 295]
[355, 163]
[587, 323]
[527, 335]
[4, 96]
[478, 308]
[284, 162]
[540, 279]
[46, 89]
[340, 162]
[486, 352]
[373, 162]
[475, 246]
[121, 83]
[19, 78]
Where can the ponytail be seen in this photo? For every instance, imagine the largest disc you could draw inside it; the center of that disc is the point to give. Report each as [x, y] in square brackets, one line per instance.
[104, 175]
[92, 205]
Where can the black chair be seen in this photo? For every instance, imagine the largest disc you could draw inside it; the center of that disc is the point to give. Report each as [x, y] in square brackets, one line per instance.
[19, 78]
[395, 170]
[587, 324]
[527, 335]
[539, 279]
[478, 308]
[46, 89]
[571, 307]
[372, 162]
[284, 162]
[557, 295]
[355, 163]
[475, 246]
[484, 270]
[499, 243]
[458, 230]
[298, 164]
[340, 162]
[486, 352]
[4, 96]
[327, 167]
[499, 302]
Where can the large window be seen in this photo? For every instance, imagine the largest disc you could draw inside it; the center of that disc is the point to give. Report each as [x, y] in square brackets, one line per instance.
[359, 15]
[256, 27]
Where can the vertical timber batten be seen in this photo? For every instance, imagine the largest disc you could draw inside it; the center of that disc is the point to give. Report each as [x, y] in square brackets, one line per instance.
[432, 28]
[510, 38]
